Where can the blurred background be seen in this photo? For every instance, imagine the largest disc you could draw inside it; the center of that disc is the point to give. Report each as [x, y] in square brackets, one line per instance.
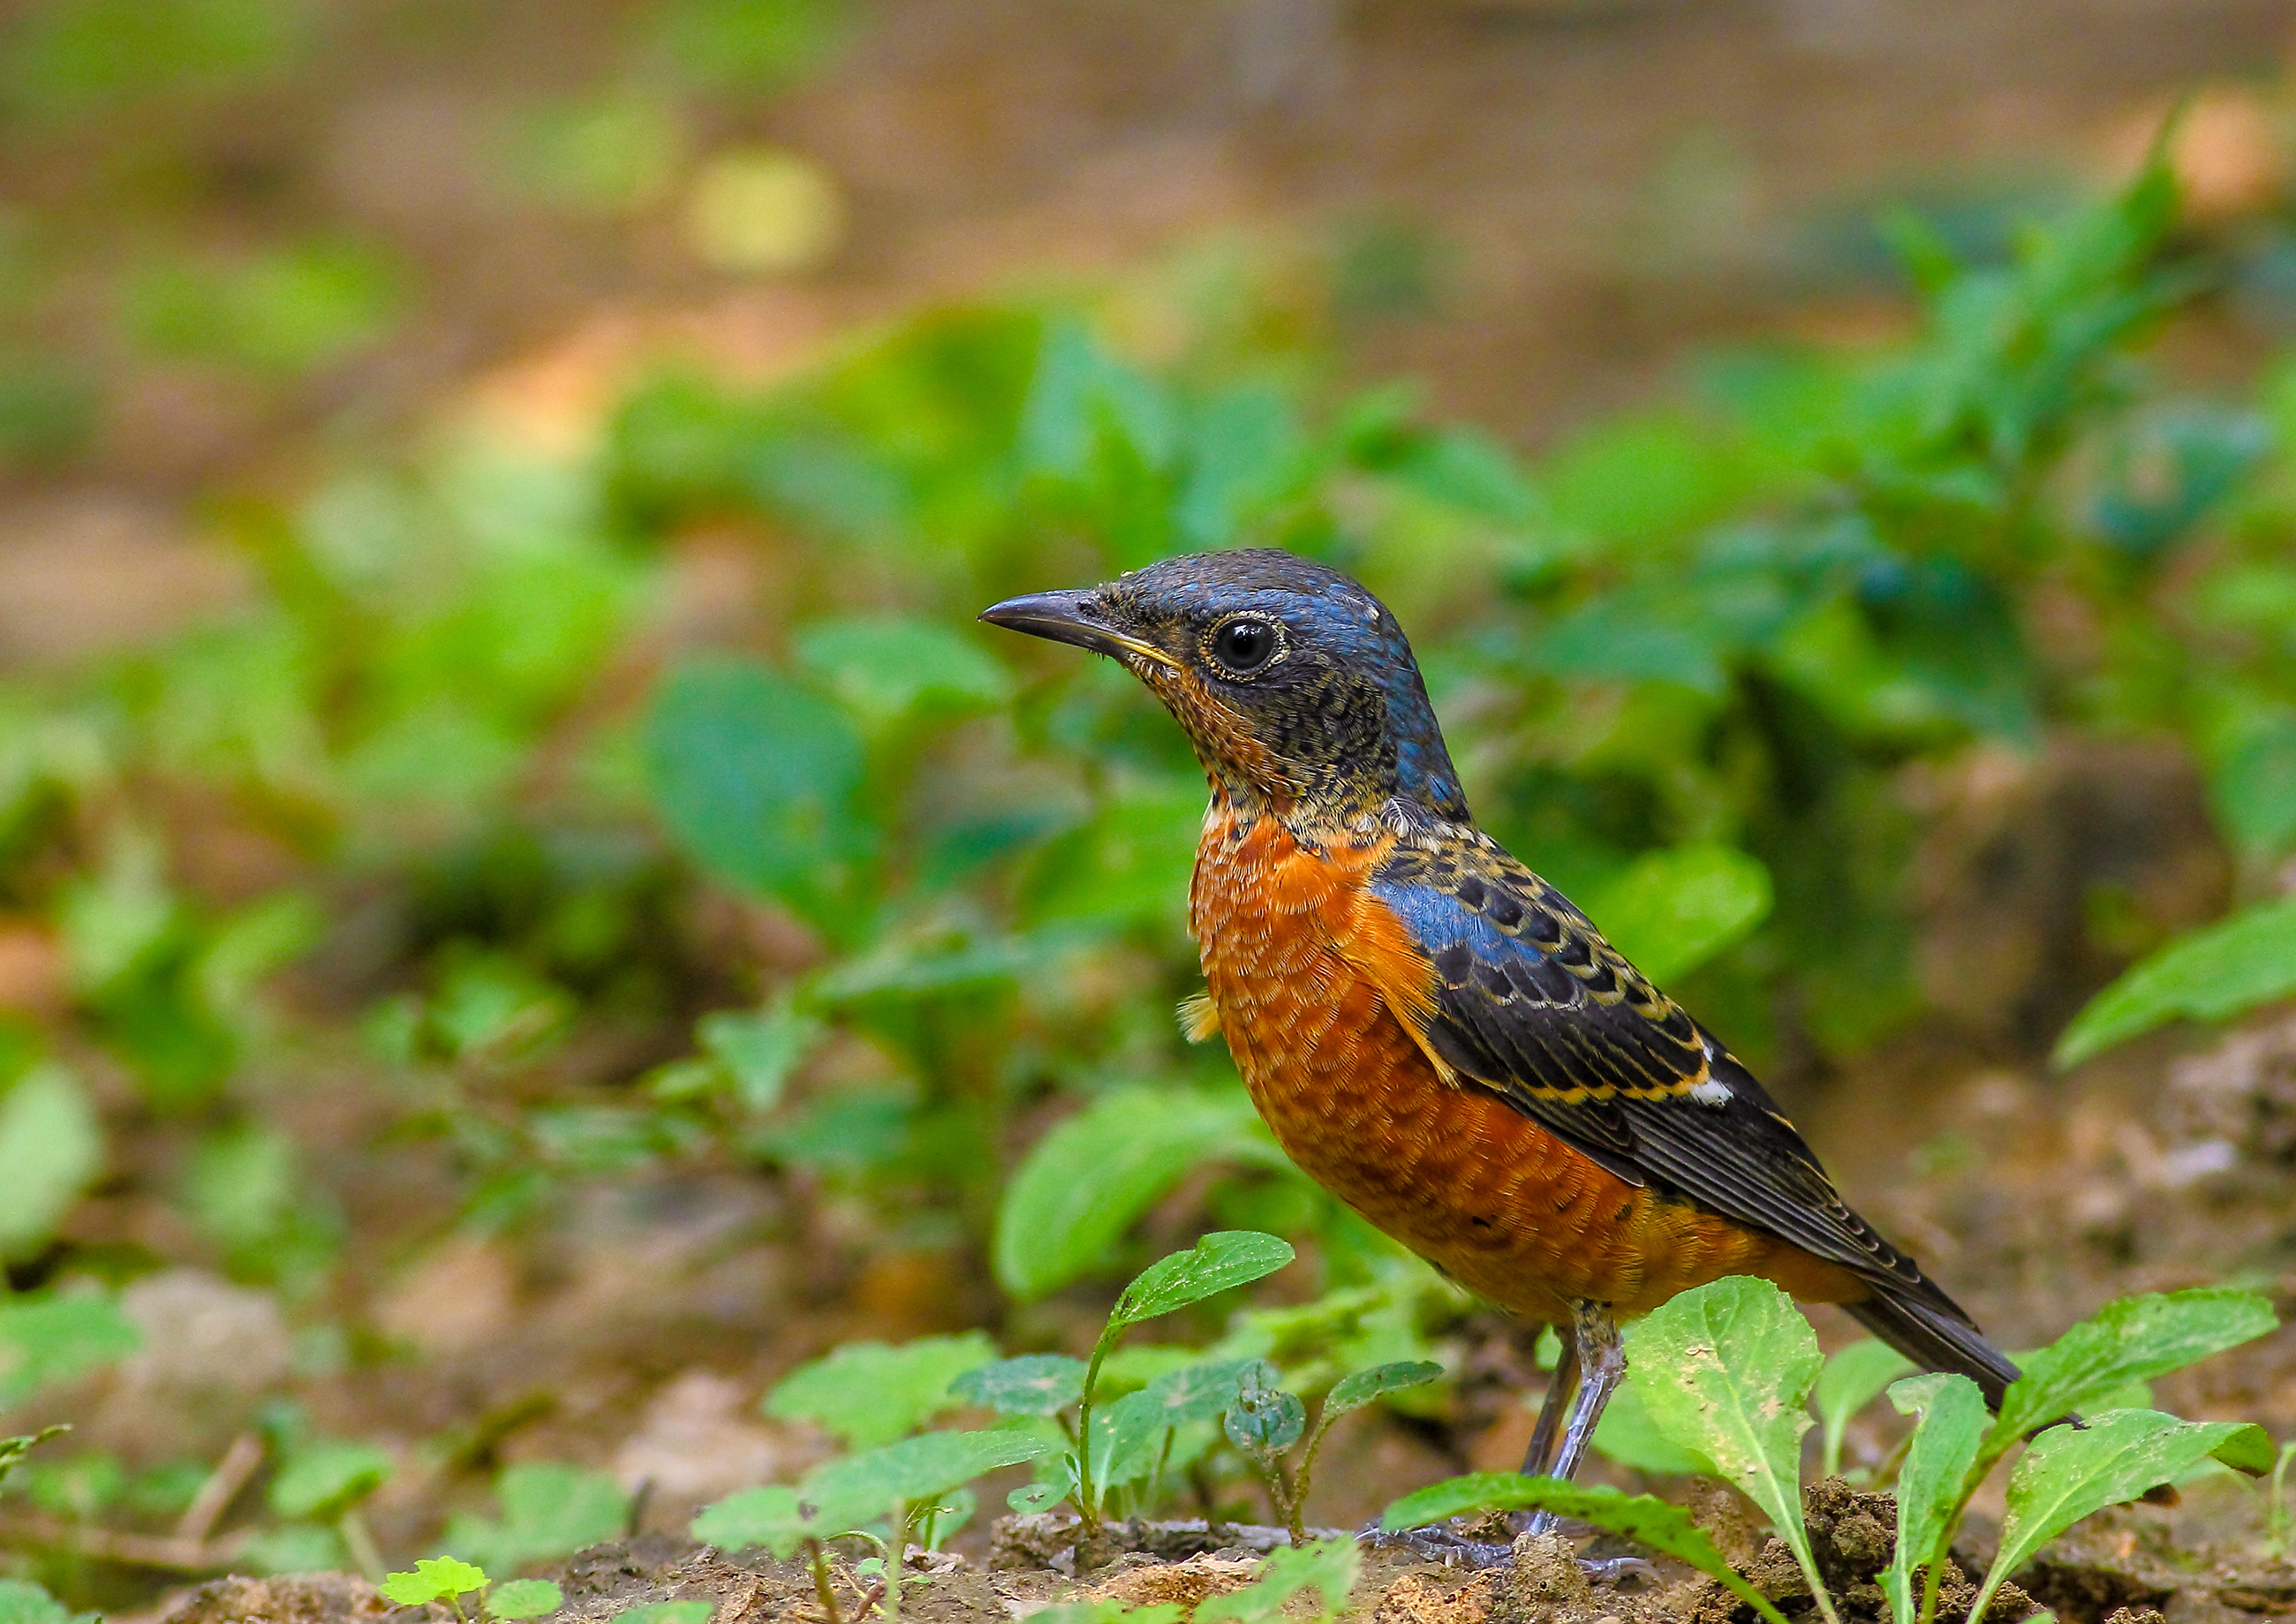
[529, 908]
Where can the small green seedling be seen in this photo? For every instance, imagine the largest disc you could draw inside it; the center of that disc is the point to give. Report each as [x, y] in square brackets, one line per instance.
[903, 1482]
[1262, 1424]
[1644, 1519]
[325, 1482]
[435, 1579]
[14, 1450]
[524, 1598]
[1218, 1262]
[2275, 1511]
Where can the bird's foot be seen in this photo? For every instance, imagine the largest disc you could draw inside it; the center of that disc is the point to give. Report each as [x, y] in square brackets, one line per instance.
[1452, 1544]
[1456, 1544]
[1598, 1570]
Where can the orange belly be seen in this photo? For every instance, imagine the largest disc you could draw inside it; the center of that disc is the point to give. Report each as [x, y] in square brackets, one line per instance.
[1486, 1195]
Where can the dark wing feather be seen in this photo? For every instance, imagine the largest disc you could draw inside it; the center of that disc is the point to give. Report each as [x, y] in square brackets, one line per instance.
[1531, 1002]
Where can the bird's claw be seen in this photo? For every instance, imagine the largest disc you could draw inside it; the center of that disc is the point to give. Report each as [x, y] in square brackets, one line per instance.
[1445, 1544]
[1452, 1546]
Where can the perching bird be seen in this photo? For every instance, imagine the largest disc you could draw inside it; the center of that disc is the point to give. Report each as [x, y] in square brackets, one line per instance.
[1433, 1033]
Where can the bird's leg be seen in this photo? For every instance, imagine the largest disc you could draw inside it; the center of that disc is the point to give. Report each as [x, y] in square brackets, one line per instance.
[1550, 1409]
[1602, 1361]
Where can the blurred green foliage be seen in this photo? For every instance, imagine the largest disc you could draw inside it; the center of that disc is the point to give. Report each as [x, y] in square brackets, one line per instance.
[604, 860]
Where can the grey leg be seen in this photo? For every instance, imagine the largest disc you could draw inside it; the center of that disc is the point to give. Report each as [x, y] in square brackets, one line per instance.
[1550, 1409]
[1602, 1361]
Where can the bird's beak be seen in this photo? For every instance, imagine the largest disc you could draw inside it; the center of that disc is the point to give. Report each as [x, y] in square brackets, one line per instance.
[1067, 616]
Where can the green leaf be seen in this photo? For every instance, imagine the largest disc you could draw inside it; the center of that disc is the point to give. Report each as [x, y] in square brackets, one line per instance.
[50, 1337]
[666, 1613]
[1644, 1519]
[1095, 1174]
[2134, 1338]
[320, 1482]
[759, 780]
[434, 1579]
[864, 1486]
[1329, 1567]
[1218, 1262]
[771, 1516]
[1352, 1392]
[2232, 966]
[524, 1598]
[885, 666]
[1934, 1479]
[13, 1450]
[1033, 1385]
[1731, 1365]
[22, 1602]
[870, 1393]
[1629, 1435]
[549, 1510]
[2070, 1472]
[1852, 1379]
[759, 1049]
[1676, 909]
[1265, 1422]
[51, 1145]
[1108, 1610]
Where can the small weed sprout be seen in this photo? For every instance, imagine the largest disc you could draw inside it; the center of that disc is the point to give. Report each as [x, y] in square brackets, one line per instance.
[435, 1579]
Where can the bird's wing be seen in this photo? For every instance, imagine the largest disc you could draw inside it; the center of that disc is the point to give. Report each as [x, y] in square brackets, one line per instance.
[1509, 988]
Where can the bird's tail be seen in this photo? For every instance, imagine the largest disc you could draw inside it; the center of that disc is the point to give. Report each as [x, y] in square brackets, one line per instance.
[1937, 1339]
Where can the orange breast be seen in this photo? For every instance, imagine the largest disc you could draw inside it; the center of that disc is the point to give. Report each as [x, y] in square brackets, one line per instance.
[1495, 1201]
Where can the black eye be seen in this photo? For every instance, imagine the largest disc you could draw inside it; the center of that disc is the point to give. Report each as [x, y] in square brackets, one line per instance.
[1243, 646]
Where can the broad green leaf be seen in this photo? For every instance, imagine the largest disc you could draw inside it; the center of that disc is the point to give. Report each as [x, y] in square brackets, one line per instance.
[2134, 1338]
[666, 1612]
[1931, 1482]
[51, 1145]
[1731, 1365]
[1853, 1378]
[1674, 910]
[1353, 1391]
[524, 1598]
[883, 667]
[433, 1578]
[22, 1602]
[759, 1049]
[1126, 864]
[759, 780]
[549, 1510]
[861, 1488]
[1328, 1568]
[2215, 972]
[1220, 1261]
[321, 1481]
[1629, 1435]
[50, 1337]
[1644, 1519]
[868, 1393]
[2070, 1472]
[1095, 1174]
[1033, 1385]
[771, 1516]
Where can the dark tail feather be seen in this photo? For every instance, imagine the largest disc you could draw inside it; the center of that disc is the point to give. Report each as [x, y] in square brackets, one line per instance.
[1937, 1340]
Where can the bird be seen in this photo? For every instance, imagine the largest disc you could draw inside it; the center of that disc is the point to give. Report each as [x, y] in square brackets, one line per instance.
[1434, 1033]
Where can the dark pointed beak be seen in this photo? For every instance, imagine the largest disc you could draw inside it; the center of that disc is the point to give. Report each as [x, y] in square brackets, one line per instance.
[1068, 616]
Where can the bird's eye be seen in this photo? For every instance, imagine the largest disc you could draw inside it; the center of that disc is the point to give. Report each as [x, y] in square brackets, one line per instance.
[1244, 646]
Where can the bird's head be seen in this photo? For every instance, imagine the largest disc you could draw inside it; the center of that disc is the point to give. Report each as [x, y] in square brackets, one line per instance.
[1295, 684]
